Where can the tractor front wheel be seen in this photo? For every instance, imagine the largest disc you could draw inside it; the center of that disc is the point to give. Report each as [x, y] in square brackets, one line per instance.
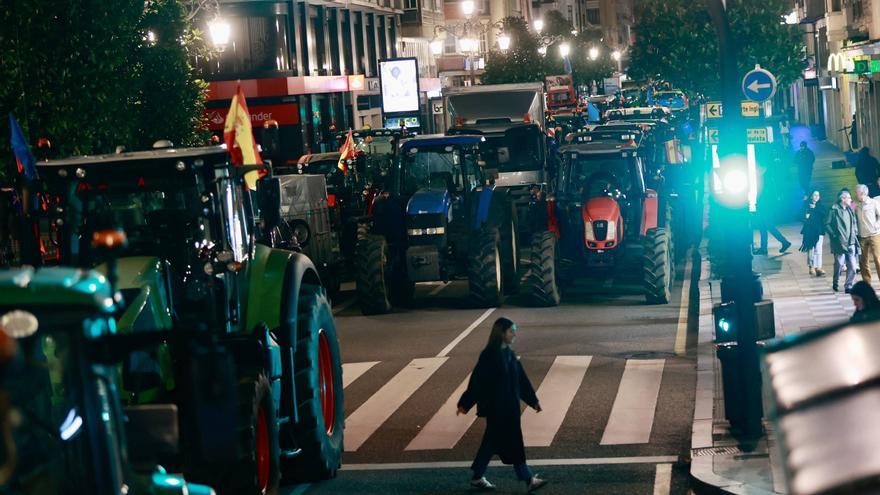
[371, 258]
[541, 283]
[317, 380]
[510, 256]
[657, 266]
[484, 268]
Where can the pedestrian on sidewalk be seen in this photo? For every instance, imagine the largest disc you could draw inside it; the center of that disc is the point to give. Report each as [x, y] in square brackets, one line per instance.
[865, 300]
[497, 385]
[766, 209]
[868, 215]
[813, 232]
[868, 171]
[804, 159]
[843, 233]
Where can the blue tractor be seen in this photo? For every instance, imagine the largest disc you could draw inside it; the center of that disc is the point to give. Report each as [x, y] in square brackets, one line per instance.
[441, 219]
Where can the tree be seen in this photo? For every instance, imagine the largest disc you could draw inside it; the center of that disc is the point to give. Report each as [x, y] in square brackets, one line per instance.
[675, 40]
[521, 63]
[87, 75]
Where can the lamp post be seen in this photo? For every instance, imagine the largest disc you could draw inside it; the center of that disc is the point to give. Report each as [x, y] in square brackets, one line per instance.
[616, 55]
[220, 31]
[468, 34]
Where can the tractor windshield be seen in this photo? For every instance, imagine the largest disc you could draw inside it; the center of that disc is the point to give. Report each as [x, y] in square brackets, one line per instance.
[592, 176]
[519, 149]
[438, 167]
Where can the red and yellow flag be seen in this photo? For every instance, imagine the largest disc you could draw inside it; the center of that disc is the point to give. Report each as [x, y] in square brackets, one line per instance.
[346, 152]
[239, 137]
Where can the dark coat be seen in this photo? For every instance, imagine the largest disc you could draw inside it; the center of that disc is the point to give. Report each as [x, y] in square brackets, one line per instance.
[842, 229]
[496, 387]
[814, 224]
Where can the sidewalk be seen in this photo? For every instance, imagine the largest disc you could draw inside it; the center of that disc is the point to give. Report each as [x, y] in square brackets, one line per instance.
[801, 302]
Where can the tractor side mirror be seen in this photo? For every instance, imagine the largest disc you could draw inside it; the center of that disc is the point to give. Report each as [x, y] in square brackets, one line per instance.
[269, 201]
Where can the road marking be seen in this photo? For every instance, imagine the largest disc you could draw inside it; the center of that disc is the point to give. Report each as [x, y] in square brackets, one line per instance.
[353, 371]
[446, 350]
[632, 414]
[362, 423]
[663, 479]
[556, 393]
[681, 333]
[445, 428]
[532, 462]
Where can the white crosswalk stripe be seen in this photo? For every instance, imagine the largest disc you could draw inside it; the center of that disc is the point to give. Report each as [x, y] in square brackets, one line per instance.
[632, 415]
[556, 392]
[362, 423]
[353, 371]
[445, 428]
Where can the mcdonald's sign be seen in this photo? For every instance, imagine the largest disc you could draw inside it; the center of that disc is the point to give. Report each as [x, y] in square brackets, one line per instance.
[839, 62]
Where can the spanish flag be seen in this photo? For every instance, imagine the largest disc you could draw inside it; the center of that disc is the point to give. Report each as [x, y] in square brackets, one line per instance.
[239, 138]
[346, 152]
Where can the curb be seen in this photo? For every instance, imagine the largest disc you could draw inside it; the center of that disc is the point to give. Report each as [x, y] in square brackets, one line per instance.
[702, 473]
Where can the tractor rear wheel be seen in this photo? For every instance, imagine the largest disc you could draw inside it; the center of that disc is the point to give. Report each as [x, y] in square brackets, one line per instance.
[657, 266]
[542, 286]
[484, 268]
[318, 383]
[371, 258]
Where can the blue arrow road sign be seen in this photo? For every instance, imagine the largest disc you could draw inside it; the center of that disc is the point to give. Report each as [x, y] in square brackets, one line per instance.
[759, 84]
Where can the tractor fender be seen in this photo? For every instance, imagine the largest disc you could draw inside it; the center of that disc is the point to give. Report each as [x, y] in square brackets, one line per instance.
[274, 280]
[650, 209]
[482, 206]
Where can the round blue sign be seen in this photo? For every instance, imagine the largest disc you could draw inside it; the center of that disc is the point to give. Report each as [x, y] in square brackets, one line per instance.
[759, 84]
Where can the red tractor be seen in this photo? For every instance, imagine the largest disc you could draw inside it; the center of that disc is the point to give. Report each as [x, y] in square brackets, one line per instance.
[605, 221]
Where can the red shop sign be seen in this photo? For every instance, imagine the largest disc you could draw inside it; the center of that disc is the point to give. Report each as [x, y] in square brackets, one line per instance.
[284, 114]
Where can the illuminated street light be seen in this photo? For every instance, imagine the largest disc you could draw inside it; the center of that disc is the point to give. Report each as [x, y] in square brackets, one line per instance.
[220, 31]
[615, 55]
[437, 46]
[467, 7]
[574, 32]
[791, 18]
[539, 25]
[594, 53]
[503, 42]
[468, 45]
[542, 50]
[564, 49]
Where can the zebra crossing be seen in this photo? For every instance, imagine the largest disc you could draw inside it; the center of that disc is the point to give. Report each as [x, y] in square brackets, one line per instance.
[631, 419]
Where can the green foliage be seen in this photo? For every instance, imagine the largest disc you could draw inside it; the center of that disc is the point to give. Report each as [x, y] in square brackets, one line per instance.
[521, 63]
[676, 40]
[84, 75]
[555, 24]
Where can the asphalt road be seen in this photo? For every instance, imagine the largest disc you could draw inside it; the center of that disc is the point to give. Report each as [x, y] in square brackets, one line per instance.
[614, 375]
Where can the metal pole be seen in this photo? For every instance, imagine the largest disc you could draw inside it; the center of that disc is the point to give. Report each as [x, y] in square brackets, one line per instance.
[473, 72]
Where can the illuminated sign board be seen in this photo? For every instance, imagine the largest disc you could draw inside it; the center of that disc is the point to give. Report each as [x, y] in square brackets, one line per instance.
[399, 80]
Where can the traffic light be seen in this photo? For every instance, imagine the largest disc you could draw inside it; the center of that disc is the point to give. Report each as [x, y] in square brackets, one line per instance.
[726, 321]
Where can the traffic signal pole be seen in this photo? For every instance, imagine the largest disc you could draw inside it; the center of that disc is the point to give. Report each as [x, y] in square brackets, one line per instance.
[738, 281]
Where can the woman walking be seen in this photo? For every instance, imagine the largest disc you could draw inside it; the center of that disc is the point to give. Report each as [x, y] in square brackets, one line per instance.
[865, 301]
[497, 385]
[813, 232]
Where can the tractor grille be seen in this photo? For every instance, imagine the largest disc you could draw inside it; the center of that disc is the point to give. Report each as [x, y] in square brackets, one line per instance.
[600, 230]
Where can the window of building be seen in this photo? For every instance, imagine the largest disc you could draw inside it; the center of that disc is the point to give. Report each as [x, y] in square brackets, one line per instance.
[484, 43]
[257, 44]
[450, 46]
[835, 5]
[411, 4]
[858, 9]
[593, 16]
[570, 13]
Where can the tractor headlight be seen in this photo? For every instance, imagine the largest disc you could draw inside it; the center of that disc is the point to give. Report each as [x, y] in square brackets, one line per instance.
[427, 231]
[612, 230]
[588, 231]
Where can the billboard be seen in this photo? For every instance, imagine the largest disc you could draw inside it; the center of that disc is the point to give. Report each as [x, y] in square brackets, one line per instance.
[399, 78]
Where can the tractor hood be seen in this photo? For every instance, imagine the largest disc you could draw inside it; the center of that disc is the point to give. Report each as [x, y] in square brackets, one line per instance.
[428, 201]
[56, 287]
[146, 305]
[602, 208]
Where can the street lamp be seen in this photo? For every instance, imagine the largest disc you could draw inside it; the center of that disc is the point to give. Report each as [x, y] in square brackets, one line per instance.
[539, 25]
[467, 8]
[564, 49]
[503, 42]
[616, 55]
[542, 49]
[437, 46]
[594, 53]
[220, 31]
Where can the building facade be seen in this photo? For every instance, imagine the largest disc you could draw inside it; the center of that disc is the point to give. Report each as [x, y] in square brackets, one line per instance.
[312, 67]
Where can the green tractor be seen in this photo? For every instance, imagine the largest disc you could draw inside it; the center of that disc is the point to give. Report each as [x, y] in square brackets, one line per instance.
[197, 259]
[73, 436]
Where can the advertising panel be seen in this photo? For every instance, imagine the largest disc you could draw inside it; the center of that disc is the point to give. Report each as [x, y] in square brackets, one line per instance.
[400, 85]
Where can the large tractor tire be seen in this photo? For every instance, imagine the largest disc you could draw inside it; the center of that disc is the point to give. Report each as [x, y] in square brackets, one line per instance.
[257, 470]
[317, 380]
[371, 259]
[509, 255]
[485, 268]
[657, 266]
[542, 287]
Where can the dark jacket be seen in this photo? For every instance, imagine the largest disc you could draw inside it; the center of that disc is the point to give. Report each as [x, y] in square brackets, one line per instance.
[814, 224]
[867, 169]
[805, 158]
[842, 228]
[867, 314]
[497, 385]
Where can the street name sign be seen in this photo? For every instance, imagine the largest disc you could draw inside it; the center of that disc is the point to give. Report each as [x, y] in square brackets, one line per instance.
[756, 135]
[712, 136]
[759, 84]
[714, 110]
[750, 109]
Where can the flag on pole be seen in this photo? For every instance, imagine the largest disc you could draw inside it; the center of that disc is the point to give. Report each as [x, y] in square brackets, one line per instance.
[346, 152]
[24, 159]
[239, 137]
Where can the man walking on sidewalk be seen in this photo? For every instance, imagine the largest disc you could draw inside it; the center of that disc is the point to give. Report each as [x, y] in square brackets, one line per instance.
[805, 158]
[868, 214]
[843, 231]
